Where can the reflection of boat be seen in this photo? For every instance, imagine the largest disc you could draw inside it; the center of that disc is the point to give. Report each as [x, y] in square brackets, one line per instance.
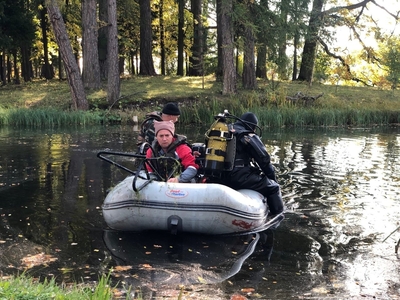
[140, 202]
[179, 259]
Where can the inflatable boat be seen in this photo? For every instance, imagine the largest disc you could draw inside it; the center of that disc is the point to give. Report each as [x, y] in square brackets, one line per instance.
[142, 202]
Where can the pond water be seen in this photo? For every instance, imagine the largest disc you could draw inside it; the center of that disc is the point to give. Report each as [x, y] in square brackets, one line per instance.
[338, 239]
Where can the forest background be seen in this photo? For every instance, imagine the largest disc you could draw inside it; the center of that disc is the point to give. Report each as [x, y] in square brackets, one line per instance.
[250, 50]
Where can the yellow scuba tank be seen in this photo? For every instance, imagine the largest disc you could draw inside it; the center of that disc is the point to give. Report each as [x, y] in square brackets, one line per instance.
[217, 138]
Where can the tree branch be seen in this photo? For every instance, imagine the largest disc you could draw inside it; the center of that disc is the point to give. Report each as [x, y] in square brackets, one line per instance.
[327, 51]
[348, 7]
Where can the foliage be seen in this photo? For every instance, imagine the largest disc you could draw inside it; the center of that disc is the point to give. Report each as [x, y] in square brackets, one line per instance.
[16, 25]
[390, 52]
[323, 66]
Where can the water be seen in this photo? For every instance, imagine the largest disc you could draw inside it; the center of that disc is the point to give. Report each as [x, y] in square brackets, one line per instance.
[340, 186]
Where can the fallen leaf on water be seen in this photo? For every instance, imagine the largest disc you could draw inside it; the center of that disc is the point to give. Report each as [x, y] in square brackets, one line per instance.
[122, 268]
[37, 260]
[238, 297]
[247, 290]
[201, 280]
[147, 266]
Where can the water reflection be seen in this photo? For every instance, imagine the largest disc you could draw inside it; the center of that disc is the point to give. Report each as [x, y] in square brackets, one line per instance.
[341, 188]
[155, 257]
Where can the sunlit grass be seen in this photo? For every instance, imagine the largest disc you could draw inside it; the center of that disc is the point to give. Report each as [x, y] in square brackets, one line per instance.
[200, 99]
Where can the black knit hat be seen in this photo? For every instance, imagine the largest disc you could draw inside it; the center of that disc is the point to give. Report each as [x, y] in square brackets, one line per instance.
[171, 108]
[250, 119]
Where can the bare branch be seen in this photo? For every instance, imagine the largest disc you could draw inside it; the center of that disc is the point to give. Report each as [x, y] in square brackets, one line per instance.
[348, 7]
[384, 8]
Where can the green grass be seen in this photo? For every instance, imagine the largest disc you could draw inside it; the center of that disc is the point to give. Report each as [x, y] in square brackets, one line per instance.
[23, 287]
[47, 103]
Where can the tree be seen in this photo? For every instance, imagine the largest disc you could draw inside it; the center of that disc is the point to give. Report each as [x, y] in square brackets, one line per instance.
[47, 69]
[391, 60]
[219, 71]
[113, 84]
[162, 37]
[146, 39]
[284, 31]
[78, 96]
[249, 79]
[17, 33]
[310, 45]
[262, 20]
[102, 38]
[181, 36]
[227, 47]
[196, 59]
[91, 67]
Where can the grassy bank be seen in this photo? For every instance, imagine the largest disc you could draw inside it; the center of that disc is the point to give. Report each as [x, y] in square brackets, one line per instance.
[278, 104]
[23, 287]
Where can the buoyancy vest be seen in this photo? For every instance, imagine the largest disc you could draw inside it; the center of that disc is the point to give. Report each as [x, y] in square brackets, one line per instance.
[169, 163]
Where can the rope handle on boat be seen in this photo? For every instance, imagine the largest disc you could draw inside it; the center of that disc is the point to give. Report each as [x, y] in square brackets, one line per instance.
[274, 221]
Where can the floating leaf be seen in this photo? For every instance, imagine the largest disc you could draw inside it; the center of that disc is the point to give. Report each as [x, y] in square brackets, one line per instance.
[146, 266]
[238, 297]
[37, 260]
[122, 268]
[247, 290]
[201, 280]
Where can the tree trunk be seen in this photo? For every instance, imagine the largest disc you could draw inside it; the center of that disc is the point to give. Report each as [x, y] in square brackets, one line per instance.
[146, 39]
[310, 45]
[74, 77]
[16, 70]
[91, 67]
[60, 67]
[261, 68]
[181, 36]
[227, 46]
[282, 57]
[113, 88]
[196, 59]
[295, 44]
[219, 71]
[102, 39]
[249, 79]
[46, 68]
[3, 68]
[162, 38]
[9, 68]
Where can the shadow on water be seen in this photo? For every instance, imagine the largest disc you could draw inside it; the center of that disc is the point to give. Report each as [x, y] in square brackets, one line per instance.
[340, 186]
[157, 257]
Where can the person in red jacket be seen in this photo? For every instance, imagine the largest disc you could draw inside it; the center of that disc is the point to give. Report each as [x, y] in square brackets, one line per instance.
[169, 144]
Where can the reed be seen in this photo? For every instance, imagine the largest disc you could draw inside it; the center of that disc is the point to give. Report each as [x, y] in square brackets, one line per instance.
[48, 117]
